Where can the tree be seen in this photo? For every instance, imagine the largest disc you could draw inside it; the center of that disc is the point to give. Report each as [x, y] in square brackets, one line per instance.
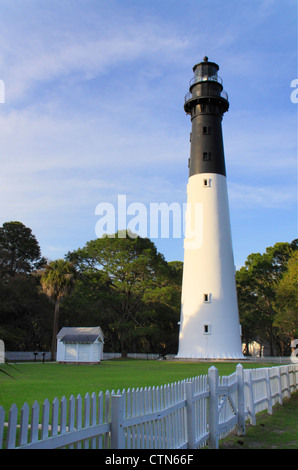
[257, 284]
[286, 319]
[128, 269]
[250, 317]
[57, 282]
[24, 314]
[23, 309]
[19, 250]
[162, 309]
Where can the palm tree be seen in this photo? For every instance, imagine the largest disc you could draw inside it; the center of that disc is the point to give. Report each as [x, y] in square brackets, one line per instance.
[57, 282]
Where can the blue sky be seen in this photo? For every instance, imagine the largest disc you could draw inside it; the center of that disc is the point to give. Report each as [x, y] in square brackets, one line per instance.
[94, 93]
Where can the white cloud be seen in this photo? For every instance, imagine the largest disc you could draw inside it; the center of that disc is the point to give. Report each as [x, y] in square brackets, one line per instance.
[52, 165]
[41, 57]
[256, 144]
[258, 197]
[94, 107]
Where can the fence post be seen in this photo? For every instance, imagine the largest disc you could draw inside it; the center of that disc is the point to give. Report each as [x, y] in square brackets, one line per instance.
[294, 385]
[213, 407]
[295, 374]
[117, 436]
[190, 415]
[279, 385]
[12, 427]
[268, 391]
[251, 403]
[241, 411]
[288, 381]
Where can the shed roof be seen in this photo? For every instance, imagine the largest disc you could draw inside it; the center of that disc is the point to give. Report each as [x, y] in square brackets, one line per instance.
[81, 338]
[80, 334]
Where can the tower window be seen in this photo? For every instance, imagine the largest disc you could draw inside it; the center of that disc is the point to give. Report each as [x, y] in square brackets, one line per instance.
[207, 298]
[206, 183]
[206, 130]
[206, 156]
[207, 329]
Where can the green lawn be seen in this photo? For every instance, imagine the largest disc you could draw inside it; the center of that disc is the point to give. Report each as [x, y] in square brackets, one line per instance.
[277, 431]
[38, 381]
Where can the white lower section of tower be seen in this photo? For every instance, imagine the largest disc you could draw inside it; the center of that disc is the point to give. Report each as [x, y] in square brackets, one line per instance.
[209, 324]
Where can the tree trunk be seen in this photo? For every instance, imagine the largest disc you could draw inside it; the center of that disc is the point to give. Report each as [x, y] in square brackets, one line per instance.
[271, 341]
[246, 348]
[55, 331]
[123, 343]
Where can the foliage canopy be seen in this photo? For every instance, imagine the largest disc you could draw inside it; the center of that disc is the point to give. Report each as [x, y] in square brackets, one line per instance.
[123, 284]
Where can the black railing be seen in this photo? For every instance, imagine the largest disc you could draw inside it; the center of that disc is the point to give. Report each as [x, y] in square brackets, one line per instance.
[222, 94]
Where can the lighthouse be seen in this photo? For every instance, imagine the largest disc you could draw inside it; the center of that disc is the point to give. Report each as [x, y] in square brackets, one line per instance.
[209, 323]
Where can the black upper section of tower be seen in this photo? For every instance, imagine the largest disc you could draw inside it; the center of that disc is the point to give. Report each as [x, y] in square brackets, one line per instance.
[206, 103]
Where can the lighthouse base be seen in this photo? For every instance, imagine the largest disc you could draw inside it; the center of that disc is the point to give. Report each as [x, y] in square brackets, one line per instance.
[211, 358]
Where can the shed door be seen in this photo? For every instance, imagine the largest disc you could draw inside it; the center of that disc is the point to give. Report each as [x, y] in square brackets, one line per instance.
[71, 352]
[96, 352]
[84, 352]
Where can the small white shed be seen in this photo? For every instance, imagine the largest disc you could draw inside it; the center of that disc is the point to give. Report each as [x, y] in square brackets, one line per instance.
[80, 345]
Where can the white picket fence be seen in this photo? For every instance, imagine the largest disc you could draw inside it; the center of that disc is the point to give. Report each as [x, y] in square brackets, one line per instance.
[189, 414]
